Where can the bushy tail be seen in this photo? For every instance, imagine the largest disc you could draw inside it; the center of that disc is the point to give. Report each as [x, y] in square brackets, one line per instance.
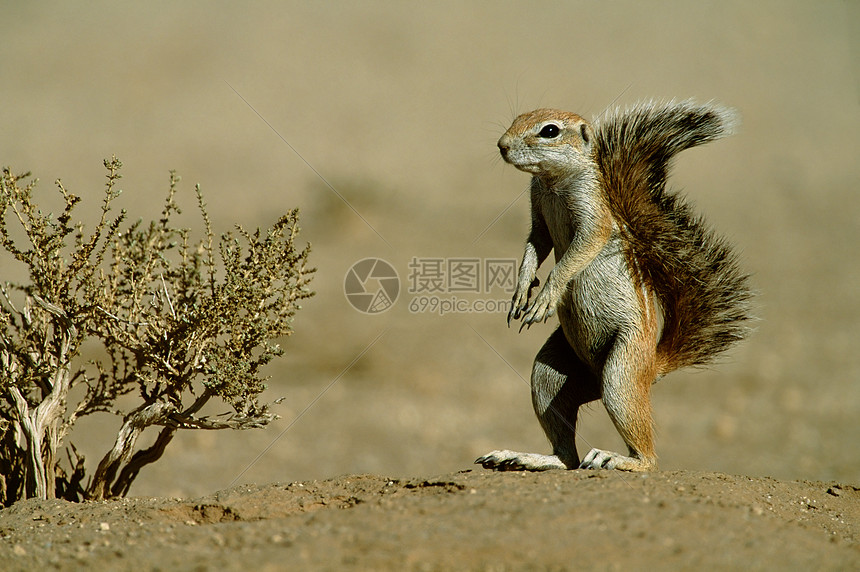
[693, 271]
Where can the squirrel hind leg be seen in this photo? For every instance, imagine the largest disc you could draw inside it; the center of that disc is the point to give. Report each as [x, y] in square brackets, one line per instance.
[561, 383]
[629, 372]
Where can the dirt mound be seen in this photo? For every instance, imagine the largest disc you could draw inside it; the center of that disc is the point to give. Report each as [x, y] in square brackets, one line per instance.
[469, 520]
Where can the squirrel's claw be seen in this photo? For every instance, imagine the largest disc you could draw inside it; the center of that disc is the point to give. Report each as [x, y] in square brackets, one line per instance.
[520, 302]
[542, 309]
[513, 314]
[600, 459]
[518, 305]
[512, 461]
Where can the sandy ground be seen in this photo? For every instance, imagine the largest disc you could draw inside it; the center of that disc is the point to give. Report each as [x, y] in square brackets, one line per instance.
[472, 520]
[397, 107]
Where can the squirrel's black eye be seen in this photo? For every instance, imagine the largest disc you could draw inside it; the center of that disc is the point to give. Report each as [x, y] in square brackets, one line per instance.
[549, 131]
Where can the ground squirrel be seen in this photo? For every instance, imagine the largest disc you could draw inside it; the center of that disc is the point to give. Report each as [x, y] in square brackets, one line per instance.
[641, 285]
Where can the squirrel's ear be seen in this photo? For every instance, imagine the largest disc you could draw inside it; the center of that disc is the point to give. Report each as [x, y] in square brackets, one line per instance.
[587, 134]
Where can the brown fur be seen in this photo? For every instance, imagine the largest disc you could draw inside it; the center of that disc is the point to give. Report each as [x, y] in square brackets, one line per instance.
[692, 270]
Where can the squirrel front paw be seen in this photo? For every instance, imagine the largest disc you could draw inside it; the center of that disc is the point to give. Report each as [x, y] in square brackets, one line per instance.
[543, 307]
[520, 301]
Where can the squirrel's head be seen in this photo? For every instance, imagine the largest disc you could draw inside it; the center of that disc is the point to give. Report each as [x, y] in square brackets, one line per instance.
[548, 143]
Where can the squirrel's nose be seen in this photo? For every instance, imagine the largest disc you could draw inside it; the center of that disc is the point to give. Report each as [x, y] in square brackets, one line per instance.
[503, 149]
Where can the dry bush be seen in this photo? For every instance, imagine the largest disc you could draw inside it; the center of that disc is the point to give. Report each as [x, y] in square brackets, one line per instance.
[179, 322]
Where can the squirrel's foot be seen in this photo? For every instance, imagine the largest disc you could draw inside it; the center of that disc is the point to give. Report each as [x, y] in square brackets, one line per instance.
[599, 459]
[513, 461]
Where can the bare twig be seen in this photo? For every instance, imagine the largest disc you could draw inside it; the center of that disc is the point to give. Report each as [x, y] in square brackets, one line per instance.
[167, 295]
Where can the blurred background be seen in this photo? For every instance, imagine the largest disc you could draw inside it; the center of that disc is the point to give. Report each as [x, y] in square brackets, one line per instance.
[398, 107]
